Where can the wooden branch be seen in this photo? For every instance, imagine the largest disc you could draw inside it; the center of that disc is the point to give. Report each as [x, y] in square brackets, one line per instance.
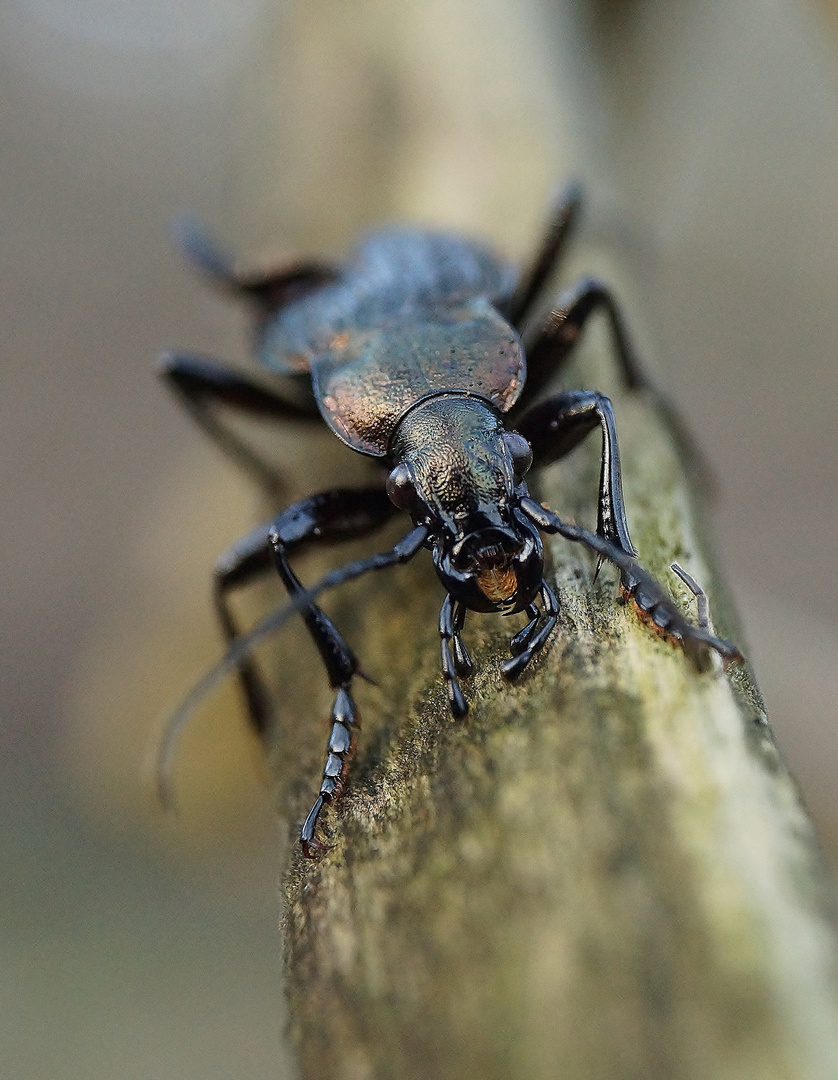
[604, 871]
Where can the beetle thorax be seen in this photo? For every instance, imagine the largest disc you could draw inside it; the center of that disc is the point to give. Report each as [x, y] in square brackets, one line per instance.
[452, 445]
[457, 467]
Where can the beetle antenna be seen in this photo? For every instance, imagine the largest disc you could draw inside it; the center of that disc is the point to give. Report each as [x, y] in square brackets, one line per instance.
[245, 643]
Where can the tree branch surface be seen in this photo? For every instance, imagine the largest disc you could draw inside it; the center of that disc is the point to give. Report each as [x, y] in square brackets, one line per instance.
[603, 871]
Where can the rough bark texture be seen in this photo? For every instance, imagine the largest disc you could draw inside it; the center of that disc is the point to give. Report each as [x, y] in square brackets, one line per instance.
[604, 871]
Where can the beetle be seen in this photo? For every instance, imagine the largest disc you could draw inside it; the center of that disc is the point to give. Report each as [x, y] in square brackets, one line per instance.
[412, 353]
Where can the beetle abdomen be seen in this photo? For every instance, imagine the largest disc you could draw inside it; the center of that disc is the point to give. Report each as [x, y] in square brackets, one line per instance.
[396, 272]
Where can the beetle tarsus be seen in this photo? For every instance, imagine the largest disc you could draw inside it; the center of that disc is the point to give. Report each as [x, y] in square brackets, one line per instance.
[311, 846]
[519, 642]
[340, 751]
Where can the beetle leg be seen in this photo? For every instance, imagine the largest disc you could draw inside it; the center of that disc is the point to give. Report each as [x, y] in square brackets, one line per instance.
[557, 426]
[535, 641]
[651, 600]
[270, 289]
[447, 632]
[533, 279]
[462, 661]
[246, 560]
[549, 352]
[520, 640]
[341, 748]
[329, 516]
[201, 383]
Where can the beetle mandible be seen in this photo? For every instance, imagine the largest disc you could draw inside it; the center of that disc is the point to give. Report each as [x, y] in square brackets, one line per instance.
[412, 354]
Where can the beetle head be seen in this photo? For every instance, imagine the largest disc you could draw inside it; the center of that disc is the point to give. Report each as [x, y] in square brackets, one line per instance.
[460, 473]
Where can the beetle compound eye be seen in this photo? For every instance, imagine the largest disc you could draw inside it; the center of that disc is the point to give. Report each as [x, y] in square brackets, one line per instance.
[520, 451]
[400, 487]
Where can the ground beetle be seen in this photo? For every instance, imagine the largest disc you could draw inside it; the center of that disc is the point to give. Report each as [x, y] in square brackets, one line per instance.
[411, 354]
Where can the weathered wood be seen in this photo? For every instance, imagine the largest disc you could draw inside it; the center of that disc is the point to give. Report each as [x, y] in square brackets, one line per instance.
[604, 871]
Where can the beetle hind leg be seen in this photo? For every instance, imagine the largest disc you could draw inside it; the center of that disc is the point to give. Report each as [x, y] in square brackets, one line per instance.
[537, 274]
[270, 289]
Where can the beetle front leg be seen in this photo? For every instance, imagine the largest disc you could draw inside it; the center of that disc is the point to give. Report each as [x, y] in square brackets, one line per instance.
[329, 516]
[451, 618]
[557, 426]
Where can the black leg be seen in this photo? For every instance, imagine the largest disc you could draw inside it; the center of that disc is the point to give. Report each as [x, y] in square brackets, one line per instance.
[557, 426]
[249, 558]
[269, 290]
[330, 516]
[653, 603]
[449, 633]
[462, 661]
[535, 276]
[549, 352]
[201, 383]
[528, 642]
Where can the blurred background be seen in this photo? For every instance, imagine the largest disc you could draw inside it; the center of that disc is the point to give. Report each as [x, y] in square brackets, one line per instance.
[135, 945]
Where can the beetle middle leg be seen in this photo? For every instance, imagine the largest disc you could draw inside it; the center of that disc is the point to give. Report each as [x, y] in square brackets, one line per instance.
[548, 353]
[201, 383]
[330, 516]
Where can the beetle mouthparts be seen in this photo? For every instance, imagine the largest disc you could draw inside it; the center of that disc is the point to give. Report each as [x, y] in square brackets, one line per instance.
[498, 583]
[491, 553]
[486, 548]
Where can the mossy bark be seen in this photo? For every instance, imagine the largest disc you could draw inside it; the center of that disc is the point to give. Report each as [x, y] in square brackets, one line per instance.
[604, 871]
